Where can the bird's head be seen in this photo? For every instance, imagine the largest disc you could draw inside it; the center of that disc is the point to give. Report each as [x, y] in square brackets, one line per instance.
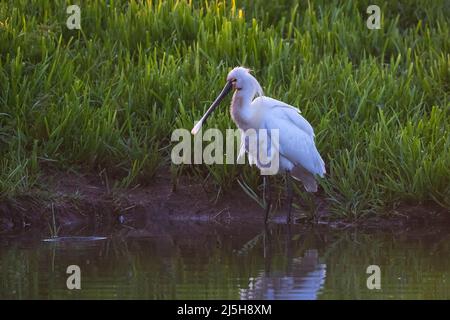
[238, 79]
[241, 79]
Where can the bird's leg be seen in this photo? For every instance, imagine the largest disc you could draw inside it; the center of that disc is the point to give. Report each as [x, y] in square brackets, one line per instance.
[289, 195]
[267, 250]
[289, 250]
[267, 197]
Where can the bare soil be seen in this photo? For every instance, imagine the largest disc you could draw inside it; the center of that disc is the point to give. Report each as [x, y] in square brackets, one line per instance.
[72, 199]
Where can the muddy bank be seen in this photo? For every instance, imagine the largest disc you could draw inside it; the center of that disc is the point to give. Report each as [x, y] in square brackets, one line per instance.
[71, 199]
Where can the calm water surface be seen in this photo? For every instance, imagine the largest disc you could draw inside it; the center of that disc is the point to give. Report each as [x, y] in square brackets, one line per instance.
[186, 260]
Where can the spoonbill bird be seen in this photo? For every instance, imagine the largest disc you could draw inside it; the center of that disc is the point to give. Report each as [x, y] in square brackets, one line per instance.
[297, 152]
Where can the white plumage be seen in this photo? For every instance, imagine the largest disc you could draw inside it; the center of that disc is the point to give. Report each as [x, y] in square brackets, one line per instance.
[297, 150]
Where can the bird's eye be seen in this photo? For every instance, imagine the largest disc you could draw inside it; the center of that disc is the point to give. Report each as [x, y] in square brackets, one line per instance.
[233, 80]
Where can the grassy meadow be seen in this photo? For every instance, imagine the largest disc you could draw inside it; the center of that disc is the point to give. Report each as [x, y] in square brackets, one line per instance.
[106, 98]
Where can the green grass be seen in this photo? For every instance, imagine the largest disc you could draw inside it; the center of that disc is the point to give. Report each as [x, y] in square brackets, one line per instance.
[109, 96]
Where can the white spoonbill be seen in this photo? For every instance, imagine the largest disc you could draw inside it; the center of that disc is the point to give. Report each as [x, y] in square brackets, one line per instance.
[298, 155]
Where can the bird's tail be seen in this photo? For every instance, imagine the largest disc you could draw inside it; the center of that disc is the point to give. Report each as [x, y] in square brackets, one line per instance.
[307, 178]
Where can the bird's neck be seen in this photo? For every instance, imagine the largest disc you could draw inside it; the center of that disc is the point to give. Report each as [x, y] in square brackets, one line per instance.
[241, 111]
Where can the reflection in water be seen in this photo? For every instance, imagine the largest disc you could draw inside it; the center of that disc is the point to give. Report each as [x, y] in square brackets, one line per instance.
[187, 260]
[300, 279]
[302, 282]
